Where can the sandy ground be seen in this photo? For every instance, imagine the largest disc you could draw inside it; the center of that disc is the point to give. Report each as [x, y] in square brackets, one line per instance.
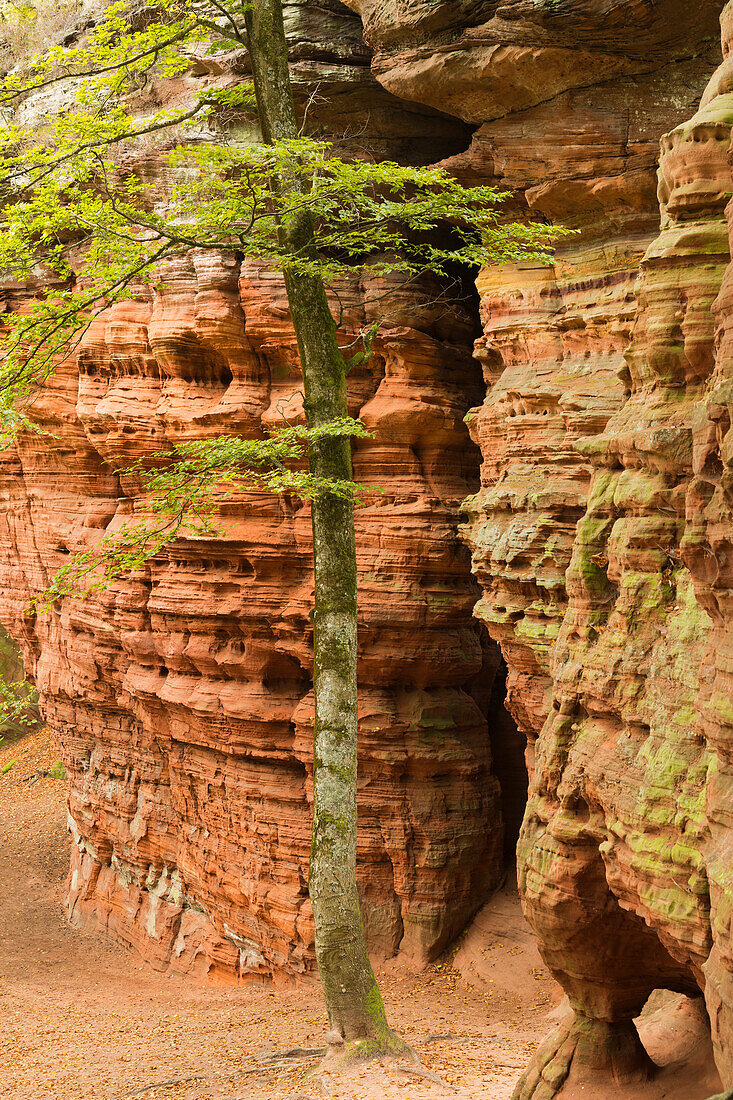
[84, 1019]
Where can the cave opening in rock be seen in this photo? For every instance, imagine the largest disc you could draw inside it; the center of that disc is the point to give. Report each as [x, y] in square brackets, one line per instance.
[508, 746]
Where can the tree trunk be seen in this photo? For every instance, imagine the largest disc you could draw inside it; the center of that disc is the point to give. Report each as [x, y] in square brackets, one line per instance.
[353, 999]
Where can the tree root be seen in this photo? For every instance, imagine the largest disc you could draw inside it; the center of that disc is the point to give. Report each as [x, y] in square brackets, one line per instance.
[423, 1071]
[337, 1056]
[354, 1051]
[293, 1058]
[441, 1037]
[292, 1054]
[164, 1085]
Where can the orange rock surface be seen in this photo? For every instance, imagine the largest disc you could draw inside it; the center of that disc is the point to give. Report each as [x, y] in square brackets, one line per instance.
[181, 697]
[599, 536]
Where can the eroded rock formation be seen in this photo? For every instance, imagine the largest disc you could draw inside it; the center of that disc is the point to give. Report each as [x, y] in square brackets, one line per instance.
[600, 537]
[182, 697]
[614, 839]
[578, 536]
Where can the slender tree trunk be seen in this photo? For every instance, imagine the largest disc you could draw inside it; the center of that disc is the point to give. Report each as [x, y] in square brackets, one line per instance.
[353, 999]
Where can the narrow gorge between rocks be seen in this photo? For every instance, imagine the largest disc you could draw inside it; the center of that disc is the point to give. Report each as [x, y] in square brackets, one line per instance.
[545, 659]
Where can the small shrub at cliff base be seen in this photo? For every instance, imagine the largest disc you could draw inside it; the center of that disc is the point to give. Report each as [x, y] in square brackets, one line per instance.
[18, 706]
[58, 771]
[18, 697]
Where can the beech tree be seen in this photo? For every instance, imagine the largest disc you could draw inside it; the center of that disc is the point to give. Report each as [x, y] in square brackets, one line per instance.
[75, 205]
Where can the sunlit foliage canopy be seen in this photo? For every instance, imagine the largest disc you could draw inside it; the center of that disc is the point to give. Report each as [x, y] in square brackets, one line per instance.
[83, 223]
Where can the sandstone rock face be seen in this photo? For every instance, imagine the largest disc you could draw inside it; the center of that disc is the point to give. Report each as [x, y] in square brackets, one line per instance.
[554, 338]
[601, 533]
[606, 643]
[182, 697]
[706, 551]
[573, 133]
[617, 820]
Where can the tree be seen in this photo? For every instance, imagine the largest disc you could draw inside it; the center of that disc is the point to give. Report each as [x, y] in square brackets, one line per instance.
[288, 202]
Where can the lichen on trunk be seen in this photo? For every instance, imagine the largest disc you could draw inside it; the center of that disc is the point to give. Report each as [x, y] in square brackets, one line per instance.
[355, 1007]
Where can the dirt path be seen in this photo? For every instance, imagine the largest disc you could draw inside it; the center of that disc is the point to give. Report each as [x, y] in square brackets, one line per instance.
[83, 1019]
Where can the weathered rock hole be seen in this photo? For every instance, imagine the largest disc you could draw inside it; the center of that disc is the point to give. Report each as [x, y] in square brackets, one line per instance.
[581, 810]
[508, 747]
[713, 467]
[675, 1031]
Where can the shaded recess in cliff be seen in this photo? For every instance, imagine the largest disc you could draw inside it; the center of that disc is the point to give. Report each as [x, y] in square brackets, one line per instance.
[508, 750]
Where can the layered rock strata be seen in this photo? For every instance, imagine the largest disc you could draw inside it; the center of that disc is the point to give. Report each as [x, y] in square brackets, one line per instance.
[706, 550]
[614, 840]
[599, 538]
[182, 696]
[618, 877]
[554, 338]
[600, 535]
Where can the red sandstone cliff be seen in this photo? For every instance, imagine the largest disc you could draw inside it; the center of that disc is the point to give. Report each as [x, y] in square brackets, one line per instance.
[182, 697]
[599, 534]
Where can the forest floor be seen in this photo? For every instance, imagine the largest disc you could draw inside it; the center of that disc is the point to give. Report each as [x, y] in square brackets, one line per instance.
[82, 1018]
